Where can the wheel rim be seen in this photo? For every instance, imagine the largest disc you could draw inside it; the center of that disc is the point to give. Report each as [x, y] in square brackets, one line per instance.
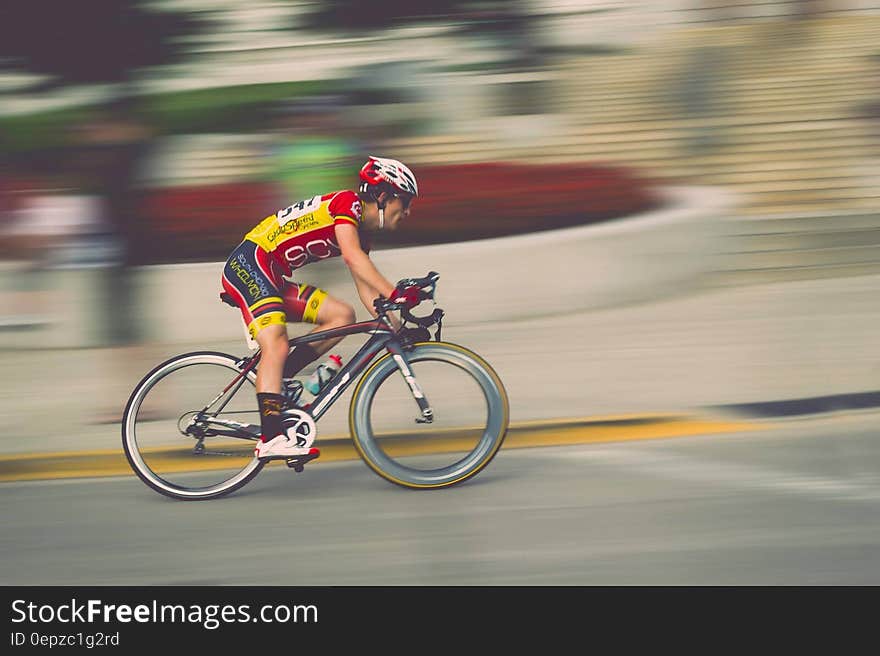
[165, 459]
[470, 447]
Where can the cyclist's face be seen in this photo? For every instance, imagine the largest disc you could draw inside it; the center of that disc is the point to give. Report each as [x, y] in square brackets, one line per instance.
[397, 207]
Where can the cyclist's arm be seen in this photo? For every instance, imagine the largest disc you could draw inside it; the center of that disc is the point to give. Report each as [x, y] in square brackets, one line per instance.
[367, 294]
[368, 280]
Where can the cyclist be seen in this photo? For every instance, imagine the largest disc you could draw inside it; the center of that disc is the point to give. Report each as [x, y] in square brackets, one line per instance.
[257, 278]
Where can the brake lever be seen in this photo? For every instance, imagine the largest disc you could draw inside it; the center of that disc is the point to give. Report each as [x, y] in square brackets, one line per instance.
[437, 337]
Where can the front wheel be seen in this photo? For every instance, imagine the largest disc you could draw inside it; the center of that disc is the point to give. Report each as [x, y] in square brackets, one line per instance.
[470, 411]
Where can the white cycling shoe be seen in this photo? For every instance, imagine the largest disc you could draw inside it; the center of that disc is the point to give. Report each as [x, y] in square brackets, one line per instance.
[282, 447]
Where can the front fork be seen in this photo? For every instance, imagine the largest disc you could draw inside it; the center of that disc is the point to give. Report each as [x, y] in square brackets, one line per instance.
[399, 355]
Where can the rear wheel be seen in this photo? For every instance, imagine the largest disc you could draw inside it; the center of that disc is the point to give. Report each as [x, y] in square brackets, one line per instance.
[187, 430]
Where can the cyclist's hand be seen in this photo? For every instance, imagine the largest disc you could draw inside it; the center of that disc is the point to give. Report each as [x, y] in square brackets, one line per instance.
[408, 296]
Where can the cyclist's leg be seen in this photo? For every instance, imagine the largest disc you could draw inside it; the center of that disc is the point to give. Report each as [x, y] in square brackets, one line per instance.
[251, 281]
[273, 342]
[333, 313]
[306, 303]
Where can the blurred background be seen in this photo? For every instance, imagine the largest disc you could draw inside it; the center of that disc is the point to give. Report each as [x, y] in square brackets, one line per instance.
[685, 199]
[141, 137]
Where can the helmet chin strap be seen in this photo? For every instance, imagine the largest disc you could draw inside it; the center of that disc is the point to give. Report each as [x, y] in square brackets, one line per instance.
[381, 208]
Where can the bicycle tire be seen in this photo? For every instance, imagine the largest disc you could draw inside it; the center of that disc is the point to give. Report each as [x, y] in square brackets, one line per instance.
[493, 433]
[136, 458]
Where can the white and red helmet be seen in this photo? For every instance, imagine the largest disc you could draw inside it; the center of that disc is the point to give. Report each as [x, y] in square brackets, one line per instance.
[380, 173]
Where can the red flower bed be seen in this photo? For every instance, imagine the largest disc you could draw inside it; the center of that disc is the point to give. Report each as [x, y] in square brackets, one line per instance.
[457, 203]
[477, 201]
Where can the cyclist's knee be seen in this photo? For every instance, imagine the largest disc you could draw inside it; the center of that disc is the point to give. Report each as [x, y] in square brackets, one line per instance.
[346, 314]
[336, 313]
[273, 341]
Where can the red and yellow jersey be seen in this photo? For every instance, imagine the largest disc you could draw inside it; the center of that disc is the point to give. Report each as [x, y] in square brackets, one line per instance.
[306, 231]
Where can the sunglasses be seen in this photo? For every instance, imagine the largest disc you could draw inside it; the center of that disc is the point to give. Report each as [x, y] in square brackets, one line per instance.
[407, 199]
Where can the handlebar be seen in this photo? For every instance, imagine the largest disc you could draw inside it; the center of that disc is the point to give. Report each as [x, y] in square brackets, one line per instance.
[427, 288]
[424, 322]
[428, 284]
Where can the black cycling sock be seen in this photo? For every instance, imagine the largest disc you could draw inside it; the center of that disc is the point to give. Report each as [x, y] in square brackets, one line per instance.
[299, 358]
[271, 406]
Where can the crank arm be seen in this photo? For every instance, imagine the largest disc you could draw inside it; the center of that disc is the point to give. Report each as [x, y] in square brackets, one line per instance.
[231, 428]
[211, 432]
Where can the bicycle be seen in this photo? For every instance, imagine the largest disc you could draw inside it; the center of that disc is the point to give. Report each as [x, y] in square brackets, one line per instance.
[216, 455]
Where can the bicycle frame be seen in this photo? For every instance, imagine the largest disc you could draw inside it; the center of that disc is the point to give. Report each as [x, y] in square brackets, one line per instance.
[370, 368]
[382, 337]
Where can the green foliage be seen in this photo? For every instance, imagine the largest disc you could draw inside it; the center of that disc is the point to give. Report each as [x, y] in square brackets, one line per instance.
[228, 109]
[239, 108]
[37, 132]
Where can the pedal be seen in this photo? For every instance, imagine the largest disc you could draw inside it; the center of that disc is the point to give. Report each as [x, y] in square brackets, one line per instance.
[297, 463]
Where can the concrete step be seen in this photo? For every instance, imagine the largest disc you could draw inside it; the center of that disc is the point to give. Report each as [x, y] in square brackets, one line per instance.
[454, 157]
[736, 68]
[764, 88]
[731, 105]
[856, 146]
[802, 128]
[745, 101]
[728, 111]
[841, 161]
[845, 188]
[771, 275]
[731, 117]
[806, 189]
[584, 116]
[756, 55]
[733, 161]
[777, 171]
[816, 177]
[736, 124]
[807, 200]
[730, 124]
[844, 85]
[767, 205]
[839, 40]
[808, 257]
[733, 77]
[804, 222]
[783, 203]
[657, 149]
[610, 137]
[791, 141]
[672, 121]
[673, 150]
[808, 240]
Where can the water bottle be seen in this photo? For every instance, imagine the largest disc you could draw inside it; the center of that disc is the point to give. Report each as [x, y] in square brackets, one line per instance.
[322, 375]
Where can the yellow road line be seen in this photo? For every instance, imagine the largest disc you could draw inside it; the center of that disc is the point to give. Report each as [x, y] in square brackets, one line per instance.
[46, 466]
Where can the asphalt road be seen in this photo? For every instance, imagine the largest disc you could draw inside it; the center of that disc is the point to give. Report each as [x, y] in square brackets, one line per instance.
[795, 504]
[739, 345]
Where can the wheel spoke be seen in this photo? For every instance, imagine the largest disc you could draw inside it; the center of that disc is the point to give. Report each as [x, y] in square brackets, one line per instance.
[186, 453]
